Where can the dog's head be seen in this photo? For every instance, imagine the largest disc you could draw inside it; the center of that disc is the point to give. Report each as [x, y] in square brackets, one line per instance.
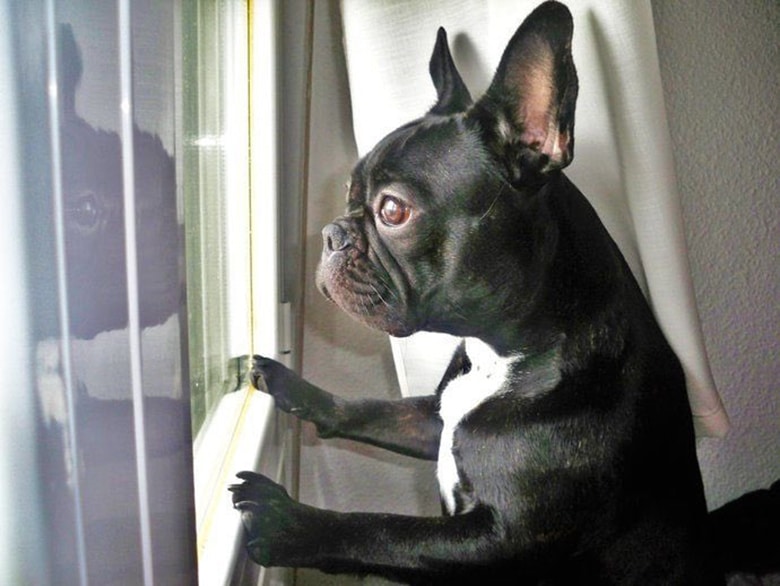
[438, 233]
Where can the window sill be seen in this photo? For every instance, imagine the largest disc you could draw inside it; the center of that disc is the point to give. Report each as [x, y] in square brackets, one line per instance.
[244, 433]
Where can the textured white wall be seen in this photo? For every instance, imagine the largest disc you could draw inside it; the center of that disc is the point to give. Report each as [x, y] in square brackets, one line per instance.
[720, 66]
[720, 63]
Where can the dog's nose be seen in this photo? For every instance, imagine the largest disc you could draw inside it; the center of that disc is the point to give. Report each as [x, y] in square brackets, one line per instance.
[335, 238]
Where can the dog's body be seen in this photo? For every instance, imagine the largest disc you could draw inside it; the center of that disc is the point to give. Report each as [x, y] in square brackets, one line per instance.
[562, 430]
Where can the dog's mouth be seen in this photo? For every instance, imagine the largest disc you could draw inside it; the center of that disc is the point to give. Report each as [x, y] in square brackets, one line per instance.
[358, 285]
[322, 287]
[362, 295]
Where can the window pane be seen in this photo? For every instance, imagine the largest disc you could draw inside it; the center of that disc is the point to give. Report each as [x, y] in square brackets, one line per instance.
[216, 196]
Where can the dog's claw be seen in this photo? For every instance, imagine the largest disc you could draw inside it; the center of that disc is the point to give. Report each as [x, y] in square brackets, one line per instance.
[268, 375]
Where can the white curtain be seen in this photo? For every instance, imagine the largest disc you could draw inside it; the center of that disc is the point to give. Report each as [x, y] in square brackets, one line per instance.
[623, 160]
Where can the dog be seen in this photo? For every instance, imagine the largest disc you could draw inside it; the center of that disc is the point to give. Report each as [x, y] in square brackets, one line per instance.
[561, 429]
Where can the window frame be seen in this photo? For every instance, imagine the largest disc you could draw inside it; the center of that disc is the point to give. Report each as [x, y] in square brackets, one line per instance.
[242, 430]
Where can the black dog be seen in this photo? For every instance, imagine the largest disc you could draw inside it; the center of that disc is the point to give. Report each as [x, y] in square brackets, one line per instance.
[562, 430]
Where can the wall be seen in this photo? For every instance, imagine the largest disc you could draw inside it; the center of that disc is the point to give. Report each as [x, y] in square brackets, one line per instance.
[719, 63]
[720, 72]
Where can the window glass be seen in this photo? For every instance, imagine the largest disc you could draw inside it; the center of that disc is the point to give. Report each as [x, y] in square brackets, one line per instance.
[215, 182]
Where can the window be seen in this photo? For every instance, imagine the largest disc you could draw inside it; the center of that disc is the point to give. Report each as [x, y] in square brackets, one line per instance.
[128, 128]
[215, 182]
[229, 182]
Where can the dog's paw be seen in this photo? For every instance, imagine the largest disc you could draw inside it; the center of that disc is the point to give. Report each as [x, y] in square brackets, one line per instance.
[270, 517]
[294, 395]
[262, 372]
[274, 378]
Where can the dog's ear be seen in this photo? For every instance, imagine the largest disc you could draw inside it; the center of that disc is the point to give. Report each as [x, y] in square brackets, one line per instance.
[527, 113]
[453, 95]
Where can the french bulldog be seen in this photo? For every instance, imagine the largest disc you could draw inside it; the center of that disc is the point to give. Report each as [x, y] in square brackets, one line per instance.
[561, 429]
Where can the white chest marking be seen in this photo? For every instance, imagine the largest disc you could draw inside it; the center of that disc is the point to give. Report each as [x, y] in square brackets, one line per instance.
[461, 396]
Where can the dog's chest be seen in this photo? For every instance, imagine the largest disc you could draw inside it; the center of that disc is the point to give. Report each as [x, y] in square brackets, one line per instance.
[460, 397]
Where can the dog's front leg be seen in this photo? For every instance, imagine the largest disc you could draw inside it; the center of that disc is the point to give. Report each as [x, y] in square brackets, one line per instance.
[408, 426]
[283, 532]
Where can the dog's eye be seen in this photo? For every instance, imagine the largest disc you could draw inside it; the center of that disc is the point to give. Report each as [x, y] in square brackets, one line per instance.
[394, 212]
[85, 212]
